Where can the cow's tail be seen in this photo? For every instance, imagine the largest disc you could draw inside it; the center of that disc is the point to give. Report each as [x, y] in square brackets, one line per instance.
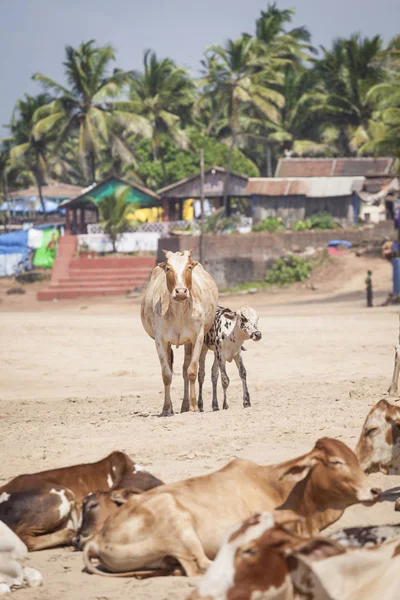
[91, 551]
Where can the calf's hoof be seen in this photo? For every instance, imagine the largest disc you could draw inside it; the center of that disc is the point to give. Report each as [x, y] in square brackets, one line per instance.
[225, 406]
[397, 505]
[246, 404]
[393, 392]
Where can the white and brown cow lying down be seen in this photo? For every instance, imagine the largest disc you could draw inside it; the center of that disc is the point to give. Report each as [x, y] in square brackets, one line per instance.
[13, 555]
[378, 448]
[178, 308]
[187, 520]
[263, 559]
[226, 338]
[43, 509]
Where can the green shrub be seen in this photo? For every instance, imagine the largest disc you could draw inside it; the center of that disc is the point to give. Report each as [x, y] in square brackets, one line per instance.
[289, 269]
[302, 225]
[322, 220]
[270, 224]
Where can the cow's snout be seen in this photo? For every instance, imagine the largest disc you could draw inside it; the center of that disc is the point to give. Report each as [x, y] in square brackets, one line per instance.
[256, 336]
[376, 493]
[181, 293]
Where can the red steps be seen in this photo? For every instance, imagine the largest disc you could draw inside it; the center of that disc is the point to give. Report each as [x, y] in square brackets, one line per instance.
[87, 277]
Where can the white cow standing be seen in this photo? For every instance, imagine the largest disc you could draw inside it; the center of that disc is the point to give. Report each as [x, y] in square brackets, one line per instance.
[13, 554]
[178, 309]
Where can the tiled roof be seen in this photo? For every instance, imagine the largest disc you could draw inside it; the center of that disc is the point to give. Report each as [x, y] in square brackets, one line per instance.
[312, 187]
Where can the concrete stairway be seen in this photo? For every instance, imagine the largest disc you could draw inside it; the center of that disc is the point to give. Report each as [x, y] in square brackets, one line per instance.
[102, 276]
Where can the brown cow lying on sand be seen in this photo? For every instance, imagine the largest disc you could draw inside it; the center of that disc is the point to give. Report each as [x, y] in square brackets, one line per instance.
[43, 509]
[187, 520]
[261, 559]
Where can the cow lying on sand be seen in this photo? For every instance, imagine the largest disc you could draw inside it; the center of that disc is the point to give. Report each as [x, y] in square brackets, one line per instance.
[229, 332]
[44, 508]
[261, 559]
[13, 554]
[378, 447]
[188, 520]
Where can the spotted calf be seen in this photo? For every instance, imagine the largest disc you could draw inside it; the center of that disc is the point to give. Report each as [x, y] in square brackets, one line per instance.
[230, 330]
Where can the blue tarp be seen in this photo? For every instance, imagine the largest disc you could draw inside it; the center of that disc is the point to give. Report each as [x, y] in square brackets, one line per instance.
[14, 242]
[13, 250]
[25, 206]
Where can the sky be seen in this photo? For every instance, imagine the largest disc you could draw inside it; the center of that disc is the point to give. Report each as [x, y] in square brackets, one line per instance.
[34, 33]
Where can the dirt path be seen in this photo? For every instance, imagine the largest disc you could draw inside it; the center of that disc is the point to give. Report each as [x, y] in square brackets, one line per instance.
[78, 380]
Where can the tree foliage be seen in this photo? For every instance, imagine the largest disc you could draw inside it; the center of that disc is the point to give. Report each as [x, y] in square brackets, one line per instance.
[260, 96]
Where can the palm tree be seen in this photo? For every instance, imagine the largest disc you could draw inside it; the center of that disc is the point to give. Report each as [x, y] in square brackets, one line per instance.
[114, 210]
[347, 72]
[238, 80]
[27, 150]
[84, 108]
[163, 95]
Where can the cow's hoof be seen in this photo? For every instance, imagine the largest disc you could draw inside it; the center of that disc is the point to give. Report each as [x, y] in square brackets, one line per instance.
[201, 409]
[225, 406]
[167, 413]
[215, 408]
[184, 409]
[246, 405]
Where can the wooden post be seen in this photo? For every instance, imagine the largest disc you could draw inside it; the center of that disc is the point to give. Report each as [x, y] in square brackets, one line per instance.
[201, 241]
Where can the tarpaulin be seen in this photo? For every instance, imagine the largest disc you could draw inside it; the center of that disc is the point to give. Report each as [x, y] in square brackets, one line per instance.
[45, 255]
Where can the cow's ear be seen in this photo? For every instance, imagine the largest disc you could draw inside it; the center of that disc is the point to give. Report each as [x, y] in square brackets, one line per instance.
[165, 252]
[320, 549]
[298, 470]
[122, 496]
[193, 263]
[230, 315]
[162, 265]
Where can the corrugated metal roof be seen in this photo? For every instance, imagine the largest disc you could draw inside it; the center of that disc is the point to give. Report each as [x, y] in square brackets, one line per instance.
[334, 167]
[312, 187]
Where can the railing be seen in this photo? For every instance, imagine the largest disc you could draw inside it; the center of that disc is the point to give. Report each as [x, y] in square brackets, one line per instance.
[164, 228]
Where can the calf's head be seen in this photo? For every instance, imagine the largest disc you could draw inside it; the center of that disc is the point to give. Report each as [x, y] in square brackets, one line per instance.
[96, 509]
[329, 477]
[178, 267]
[378, 448]
[247, 320]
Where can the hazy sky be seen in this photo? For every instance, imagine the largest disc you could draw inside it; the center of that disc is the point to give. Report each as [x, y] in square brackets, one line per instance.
[33, 33]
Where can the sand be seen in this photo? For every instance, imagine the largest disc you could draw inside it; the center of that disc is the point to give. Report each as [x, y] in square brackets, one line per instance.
[80, 379]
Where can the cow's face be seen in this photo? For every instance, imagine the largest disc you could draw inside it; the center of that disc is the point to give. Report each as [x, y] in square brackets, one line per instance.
[178, 267]
[96, 508]
[244, 562]
[248, 322]
[335, 478]
[379, 445]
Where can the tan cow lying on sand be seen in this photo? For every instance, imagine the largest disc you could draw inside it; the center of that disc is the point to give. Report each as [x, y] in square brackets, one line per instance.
[44, 508]
[261, 559]
[13, 555]
[178, 308]
[188, 520]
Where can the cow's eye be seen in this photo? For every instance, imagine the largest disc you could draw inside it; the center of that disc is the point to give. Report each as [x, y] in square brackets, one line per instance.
[92, 506]
[336, 462]
[371, 431]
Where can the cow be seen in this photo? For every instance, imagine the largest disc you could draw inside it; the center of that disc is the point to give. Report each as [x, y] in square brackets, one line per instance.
[43, 509]
[186, 521]
[378, 447]
[178, 308]
[262, 558]
[394, 385]
[366, 536]
[230, 330]
[13, 555]
[97, 507]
